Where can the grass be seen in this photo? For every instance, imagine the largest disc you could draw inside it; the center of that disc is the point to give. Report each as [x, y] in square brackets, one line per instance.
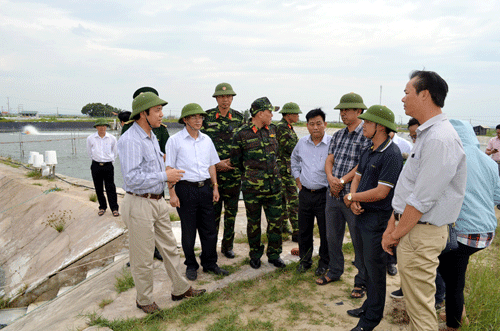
[482, 288]
[125, 281]
[4, 303]
[174, 217]
[35, 174]
[58, 221]
[37, 184]
[93, 197]
[105, 302]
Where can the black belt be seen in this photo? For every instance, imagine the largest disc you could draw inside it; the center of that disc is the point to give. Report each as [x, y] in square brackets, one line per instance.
[397, 216]
[101, 163]
[148, 195]
[323, 189]
[195, 184]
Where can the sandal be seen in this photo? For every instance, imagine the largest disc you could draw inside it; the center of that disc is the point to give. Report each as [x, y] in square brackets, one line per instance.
[358, 292]
[295, 251]
[116, 213]
[101, 212]
[325, 280]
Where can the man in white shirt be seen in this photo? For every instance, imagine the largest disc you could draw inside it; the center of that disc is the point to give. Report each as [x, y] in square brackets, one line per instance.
[194, 152]
[428, 196]
[101, 148]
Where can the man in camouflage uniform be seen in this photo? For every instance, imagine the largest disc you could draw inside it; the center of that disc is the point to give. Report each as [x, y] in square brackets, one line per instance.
[220, 124]
[287, 139]
[160, 132]
[254, 149]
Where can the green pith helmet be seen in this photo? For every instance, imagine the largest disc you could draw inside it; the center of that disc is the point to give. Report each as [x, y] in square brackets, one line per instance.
[144, 101]
[290, 108]
[351, 101]
[380, 115]
[101, 121]
[191, 109]
[261, 104]
[144, 89]
[223, 89]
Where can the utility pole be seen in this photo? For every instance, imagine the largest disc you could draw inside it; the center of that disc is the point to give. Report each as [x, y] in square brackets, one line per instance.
[57, 112]
[8, 106]
[380, 100]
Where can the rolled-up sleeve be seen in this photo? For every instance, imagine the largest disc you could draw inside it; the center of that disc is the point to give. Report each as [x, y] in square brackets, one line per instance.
[295, 160]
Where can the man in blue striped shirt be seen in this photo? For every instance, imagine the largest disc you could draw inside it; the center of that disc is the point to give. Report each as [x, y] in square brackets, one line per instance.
[145, 210]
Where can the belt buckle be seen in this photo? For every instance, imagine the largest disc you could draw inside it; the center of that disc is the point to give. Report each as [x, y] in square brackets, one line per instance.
[201, 184]
[101, 164]
[148, 195]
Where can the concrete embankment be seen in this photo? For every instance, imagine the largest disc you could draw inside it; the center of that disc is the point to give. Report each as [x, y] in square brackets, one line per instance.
[36, 259]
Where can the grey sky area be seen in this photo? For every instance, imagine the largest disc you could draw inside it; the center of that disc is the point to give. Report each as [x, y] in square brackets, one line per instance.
[60, 55]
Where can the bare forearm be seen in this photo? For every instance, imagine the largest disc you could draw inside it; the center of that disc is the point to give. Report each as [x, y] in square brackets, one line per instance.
[408, 220]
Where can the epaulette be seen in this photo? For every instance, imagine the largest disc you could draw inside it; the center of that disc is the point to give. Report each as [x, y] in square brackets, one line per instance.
[129, 121]
[163, 124]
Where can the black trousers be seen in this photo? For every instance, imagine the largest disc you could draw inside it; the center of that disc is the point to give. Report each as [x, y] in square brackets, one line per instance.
[104, 173]
[371, 226]
[452, 266]
[312, 205]
[197, 213]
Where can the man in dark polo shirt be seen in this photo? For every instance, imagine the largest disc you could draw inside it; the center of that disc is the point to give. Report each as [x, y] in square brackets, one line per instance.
[370, 199]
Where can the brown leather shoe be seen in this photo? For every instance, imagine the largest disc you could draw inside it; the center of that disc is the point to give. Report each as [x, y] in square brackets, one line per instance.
[148, 309]
[188, 294]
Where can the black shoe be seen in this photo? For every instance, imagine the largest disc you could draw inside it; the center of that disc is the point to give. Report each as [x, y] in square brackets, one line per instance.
[255, 263]
[157, 255]
[278, 263]
[302, 268]
[320, 271]
[229, 254]
[391, 269]
[358, 328]
[398, 294]
[217, 270]
[295, 238]
[191, 274]
[128, 264]
[358, 312]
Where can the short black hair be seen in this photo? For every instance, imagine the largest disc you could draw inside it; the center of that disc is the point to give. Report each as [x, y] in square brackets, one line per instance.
[124, 116]
[315, 112]
[413, 121]
[498, 127]
[432, 82]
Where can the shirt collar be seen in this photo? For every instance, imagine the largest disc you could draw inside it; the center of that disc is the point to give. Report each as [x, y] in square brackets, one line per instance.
[140, 131]
[430, 122]
[185, 134]
[229, 114]
[383, 146]
[323, 141]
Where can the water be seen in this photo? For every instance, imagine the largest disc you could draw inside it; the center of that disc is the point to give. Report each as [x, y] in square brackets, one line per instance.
[70, 146]
[71, 149]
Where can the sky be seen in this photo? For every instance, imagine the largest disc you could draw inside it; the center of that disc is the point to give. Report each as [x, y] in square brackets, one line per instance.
[57, 56]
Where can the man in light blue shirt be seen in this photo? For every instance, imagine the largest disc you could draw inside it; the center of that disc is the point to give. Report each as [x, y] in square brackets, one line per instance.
[145, 210]
[308, 169]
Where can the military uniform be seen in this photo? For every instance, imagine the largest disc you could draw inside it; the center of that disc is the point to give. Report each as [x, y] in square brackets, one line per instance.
[287, 139]
[160, 132]
[254, 152]
[221, 130]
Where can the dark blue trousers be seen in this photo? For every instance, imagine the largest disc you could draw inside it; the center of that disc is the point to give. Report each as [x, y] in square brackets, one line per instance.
[371, 226]
[197, 213]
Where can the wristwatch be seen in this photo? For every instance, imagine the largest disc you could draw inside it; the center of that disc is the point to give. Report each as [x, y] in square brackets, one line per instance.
[342, 181]
[349, 197]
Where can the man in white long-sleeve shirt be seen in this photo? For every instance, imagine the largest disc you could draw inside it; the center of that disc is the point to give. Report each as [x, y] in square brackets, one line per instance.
[428, 196]
[101, 148]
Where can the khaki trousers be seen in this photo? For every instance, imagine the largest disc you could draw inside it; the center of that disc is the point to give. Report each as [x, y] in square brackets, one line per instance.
[148, 225]
[418, 253]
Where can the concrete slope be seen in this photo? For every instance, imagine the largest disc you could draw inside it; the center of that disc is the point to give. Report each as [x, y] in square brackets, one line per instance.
[31, 252]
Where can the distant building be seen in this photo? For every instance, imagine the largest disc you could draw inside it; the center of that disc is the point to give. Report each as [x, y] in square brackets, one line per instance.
[27, 113]
[480, 130]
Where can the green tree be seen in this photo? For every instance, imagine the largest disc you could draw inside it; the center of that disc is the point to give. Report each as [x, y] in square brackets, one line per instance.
[100, 110]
